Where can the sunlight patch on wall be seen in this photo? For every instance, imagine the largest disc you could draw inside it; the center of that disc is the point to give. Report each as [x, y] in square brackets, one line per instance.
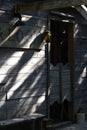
[10, 62]
[31, 65]
[82, 76]
[76, 30]
[22, 76]
[84, 7]
[26, 17]
[10, 36]
[41, 99]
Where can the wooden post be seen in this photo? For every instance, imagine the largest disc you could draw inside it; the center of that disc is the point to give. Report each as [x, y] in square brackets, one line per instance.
[47, 47]
[71, 61]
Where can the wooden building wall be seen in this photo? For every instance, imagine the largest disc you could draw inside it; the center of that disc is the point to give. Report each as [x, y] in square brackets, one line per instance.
[23, 73]
[55, 83]
[80, 58]
[22, 82]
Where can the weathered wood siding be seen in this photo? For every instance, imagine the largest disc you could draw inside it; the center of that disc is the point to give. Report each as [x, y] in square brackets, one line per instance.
[22, 82]
[22, 72]
[80, 57]
[55, 83]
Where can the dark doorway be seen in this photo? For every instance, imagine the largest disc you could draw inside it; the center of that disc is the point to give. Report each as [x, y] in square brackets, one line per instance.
[59, 42]
[61, 53]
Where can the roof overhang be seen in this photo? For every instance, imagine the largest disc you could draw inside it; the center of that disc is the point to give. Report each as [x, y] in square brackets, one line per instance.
[49, 4]
[37, 5]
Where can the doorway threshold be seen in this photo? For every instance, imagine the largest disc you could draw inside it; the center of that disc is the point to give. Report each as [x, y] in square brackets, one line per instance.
[61, 124]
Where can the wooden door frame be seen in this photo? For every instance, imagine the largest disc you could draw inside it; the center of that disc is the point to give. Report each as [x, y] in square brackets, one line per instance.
[70, 27]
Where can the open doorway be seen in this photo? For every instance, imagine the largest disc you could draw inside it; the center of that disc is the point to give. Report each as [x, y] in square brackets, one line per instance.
[61, 59]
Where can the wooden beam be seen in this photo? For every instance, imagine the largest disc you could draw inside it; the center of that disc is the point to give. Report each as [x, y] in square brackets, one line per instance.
[48, 4]
[82, 11]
